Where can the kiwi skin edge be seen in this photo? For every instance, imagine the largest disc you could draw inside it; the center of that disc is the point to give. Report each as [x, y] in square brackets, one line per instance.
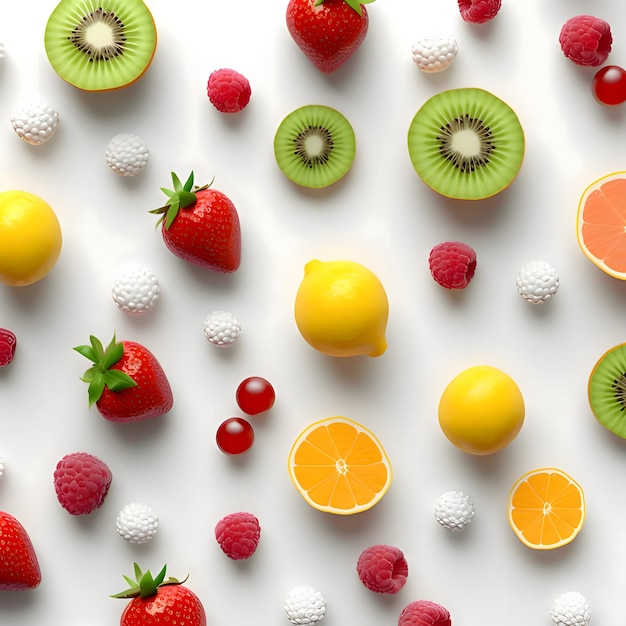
[58, 28]
[606, 390]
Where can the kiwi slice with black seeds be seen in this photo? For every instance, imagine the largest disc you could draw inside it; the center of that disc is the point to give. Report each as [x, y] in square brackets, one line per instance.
[100, 45]
[607, 390]
[466, 144]
[315, 146]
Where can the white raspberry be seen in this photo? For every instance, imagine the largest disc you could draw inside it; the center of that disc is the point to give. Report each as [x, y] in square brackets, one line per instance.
[454, 510]
[127, 154]
[35, 123]
[537, 282]
[137, 523]
[571, 609]
[1, 51]
[136, 290]
[222, 328]
[305, 605]
[1, 467]
[435, 54]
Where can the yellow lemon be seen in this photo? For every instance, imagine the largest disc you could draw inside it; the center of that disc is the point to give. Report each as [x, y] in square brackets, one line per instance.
[30, 238]
[341, 309]
[481, 410]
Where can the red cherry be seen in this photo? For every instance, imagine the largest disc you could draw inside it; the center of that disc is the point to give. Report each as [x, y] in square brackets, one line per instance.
[234, 435]
[609, 85]
[255, 395]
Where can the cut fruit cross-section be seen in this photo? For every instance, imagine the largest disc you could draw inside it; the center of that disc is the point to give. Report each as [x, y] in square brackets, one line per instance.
[546, 508]
[339, 466]
[601, 224]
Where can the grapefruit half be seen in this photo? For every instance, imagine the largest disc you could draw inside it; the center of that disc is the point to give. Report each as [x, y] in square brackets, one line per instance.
[601, 224]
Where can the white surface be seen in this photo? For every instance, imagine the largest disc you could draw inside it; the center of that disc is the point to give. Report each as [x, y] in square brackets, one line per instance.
[380, 215]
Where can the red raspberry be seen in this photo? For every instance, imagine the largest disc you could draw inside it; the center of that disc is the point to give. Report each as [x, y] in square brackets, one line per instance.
[382, 569]
[228, 91]
[81, 481]
[238, 535]
[424, 613]
[8, 342]
[479, 11]
[586, 40]
[452, 264]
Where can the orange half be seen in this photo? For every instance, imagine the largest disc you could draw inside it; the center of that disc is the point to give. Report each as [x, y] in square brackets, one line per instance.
[601, 224]
[339, 466]
[546, 508]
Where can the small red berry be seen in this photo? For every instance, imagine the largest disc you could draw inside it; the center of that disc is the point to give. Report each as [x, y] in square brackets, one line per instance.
[228, 90]
[234, 435]
[609, 85]
[424, 612]
[586, 40]
[8, 342]
[479, 11]
[382, 568]
[452, 264]
[255, 395]
[81, 482]
[238, 535]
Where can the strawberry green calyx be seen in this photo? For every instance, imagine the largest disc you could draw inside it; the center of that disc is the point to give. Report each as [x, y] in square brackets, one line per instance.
[145, 585]
[100, 374]
[353, 4]
[181, 197]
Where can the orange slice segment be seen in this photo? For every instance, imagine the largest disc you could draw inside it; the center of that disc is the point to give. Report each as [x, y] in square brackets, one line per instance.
[546, 508]
[601, 224]
[339, 466]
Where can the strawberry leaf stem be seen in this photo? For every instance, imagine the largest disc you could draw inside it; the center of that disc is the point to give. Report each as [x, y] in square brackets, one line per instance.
[355, 5]
[146, 585]
[181, 197]
[100, 374]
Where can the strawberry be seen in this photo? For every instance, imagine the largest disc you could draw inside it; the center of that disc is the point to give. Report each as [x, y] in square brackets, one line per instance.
[160, 601]
[328, 31]
[19, 568]
[201, 225]
[126, 382]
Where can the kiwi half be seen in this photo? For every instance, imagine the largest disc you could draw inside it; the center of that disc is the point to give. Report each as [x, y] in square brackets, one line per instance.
[100, 45]
[607, 390]
[466, 144]
[315, 146]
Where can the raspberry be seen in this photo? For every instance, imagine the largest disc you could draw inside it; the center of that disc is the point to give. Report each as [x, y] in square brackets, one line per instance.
[571, 609]
[424, 613]
[454, 510]
[382, 569]
[305, 605]
[479, 11]
[238, 535]
[81, 481]
[8, 343]
[221, 328]
[586, 40]
[35, 123]
[126, 154]
[435, 54]
[452, 264]
[136, 290]
[137, 523]
[537, 282]
[228, 91]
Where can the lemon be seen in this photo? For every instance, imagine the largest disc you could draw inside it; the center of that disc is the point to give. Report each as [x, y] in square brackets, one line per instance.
[341, 309]
[30, 238]
[481, 410]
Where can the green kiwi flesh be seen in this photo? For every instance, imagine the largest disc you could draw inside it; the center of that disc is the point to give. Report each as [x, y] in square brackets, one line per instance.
[607, 390]
[466, 144]
[315, 146]
[100, 45]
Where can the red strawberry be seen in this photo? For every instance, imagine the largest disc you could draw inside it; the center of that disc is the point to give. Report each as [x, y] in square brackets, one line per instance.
[19, 568]
[201, 225]
[328, 31]
[160, 601]
[126, 382]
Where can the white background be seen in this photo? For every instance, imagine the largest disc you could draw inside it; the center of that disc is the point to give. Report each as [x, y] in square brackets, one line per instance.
[381, 215]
